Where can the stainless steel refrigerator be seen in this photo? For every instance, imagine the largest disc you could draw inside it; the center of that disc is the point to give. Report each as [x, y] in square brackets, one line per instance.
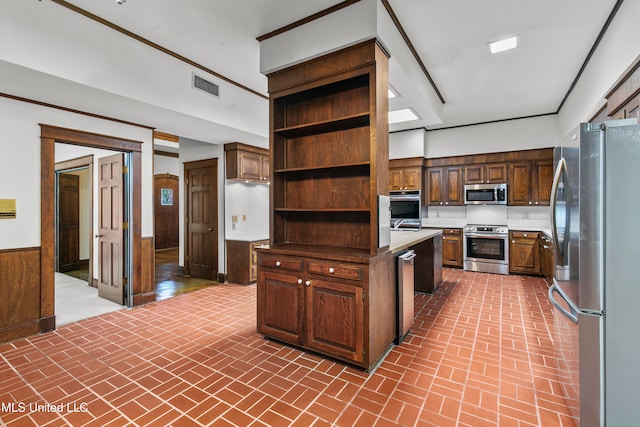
[595, 212]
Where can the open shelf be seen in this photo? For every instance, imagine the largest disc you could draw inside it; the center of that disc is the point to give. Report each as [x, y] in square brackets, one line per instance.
[324, 126]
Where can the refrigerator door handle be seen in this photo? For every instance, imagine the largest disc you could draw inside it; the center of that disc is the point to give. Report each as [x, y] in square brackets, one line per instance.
[562, 166]
[574, 310]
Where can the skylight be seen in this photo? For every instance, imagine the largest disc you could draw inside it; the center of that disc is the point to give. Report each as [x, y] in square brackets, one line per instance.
[502, 45]
[404, 115]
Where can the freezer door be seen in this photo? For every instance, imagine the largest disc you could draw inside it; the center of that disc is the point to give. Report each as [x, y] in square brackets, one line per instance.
[622, 275]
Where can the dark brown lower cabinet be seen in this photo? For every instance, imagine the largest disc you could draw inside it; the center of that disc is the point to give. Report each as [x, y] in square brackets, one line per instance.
[452, 245]
[524, 252]
[345, 310]
[242, 264]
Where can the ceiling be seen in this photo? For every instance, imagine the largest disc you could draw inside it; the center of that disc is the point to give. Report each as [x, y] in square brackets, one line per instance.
[449, 36]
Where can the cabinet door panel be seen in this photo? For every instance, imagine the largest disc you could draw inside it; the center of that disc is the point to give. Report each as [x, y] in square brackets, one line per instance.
[454, 186]
[474, 174]
[411, 179]
[335, 319]
[542, 180]
[524, 256]
[496, 173]
[520, 183]
[395, 179]
[452, 251]
[280, 306]
[434, 179]
[250, 165]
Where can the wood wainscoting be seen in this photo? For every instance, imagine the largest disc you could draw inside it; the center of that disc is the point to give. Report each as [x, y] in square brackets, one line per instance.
[20, 302]
[146, 290]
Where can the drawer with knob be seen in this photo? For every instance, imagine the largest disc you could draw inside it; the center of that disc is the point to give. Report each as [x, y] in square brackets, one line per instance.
[280, 262]
[336, 269]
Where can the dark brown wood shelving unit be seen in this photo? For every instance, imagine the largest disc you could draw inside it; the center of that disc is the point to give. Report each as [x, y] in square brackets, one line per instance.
[324, 284]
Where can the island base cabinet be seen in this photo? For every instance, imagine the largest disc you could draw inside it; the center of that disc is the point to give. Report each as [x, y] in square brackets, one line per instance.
[334, 318]
[428, 270]
[346, 310]
[280, 306]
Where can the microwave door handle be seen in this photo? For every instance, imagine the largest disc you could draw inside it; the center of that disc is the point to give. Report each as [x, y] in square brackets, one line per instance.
[554, 201]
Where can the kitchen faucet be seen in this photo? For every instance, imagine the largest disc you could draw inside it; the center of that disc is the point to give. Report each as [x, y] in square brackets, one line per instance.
[398, 223]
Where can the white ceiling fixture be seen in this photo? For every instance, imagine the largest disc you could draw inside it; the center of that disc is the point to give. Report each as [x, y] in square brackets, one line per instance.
[393, 93]
[403, 115]
[504, 44]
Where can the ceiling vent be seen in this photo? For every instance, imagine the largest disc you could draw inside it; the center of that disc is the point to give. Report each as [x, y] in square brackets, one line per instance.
[205, 85]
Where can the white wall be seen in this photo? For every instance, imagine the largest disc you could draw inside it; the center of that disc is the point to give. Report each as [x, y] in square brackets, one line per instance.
[250, 203]
[165, 164]
[53, 40]
[407, 144]
[20, 164]
[618, 50]
[512, 135]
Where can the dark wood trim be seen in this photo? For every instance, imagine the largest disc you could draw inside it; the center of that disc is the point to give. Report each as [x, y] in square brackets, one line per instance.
[166, 136]
[600, 111]
[407, 41]
[625, 76]
[49, 136]
[306, 20]
[244, 147]
[490, 122]
[76, 163]
[153, 45]
[499, 157]
[47, 227]
[71, 110]
[407, 162]
[595, 45]
[165, 153]
[89, 139]
[47, 324]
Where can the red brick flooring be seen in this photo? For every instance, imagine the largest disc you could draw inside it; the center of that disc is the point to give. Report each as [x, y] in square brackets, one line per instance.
[479, 354]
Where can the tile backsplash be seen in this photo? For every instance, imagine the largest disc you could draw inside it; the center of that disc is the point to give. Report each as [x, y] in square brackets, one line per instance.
[526, 217]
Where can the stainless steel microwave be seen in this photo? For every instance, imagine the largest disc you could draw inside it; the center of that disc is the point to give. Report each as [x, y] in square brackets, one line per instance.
[485, 194]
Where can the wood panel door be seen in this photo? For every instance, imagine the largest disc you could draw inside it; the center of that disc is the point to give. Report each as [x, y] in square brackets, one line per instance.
[68, 222]
[334, 318]
[166, 215]
[202, 218]
[111, 228]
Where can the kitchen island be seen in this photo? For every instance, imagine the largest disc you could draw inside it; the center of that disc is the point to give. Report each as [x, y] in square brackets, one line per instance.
[427, 244]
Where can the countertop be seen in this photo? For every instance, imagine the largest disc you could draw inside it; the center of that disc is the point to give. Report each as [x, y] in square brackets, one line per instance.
[401, 240]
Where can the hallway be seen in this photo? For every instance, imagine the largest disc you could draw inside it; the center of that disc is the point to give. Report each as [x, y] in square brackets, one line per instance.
[75, 300]
[479, 354]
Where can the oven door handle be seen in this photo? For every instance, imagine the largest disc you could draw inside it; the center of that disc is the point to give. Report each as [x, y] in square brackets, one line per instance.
[487, 236]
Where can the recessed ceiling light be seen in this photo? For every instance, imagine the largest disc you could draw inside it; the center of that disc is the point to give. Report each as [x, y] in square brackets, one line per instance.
[393, 93]
[502, 45]
[404, 115]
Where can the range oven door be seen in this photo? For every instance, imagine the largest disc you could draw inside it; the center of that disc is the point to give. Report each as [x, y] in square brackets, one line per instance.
[486, 248]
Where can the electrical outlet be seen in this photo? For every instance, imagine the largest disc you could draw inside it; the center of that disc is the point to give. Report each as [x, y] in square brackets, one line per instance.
[244, 218]
[234, 218]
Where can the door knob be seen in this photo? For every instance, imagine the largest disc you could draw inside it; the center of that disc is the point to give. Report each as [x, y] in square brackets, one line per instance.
[210, 229]
[98, 236]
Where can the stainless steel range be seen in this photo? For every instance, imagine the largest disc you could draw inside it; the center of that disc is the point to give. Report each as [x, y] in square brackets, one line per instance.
[486, 248]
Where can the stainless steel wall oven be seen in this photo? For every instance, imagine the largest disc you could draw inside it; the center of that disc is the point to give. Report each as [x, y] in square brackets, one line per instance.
[486, 248]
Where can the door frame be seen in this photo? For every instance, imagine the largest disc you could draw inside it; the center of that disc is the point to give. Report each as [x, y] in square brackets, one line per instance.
[70, 165]
[49, 135]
